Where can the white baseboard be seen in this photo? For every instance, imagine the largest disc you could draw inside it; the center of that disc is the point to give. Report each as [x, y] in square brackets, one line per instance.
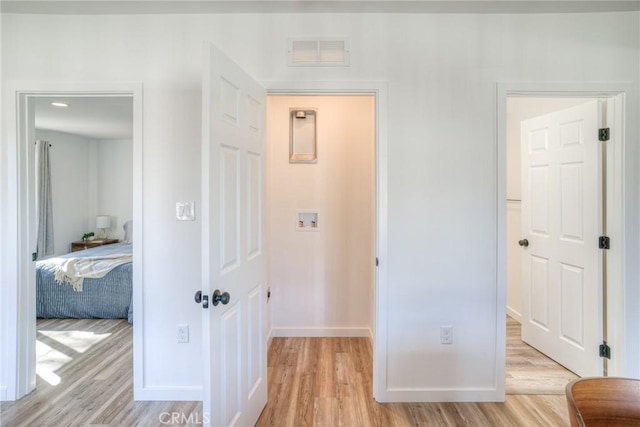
[269, 337]
[3, 394]
[514, 314]
[321, 332]
[162, 393]
[448, 395]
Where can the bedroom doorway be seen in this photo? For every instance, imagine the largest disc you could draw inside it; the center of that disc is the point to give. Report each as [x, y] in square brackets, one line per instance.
[93, 142]
[89, 211]
[529, 368]
[553, 111]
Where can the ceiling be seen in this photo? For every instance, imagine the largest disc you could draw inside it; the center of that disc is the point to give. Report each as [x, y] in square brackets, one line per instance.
[313, 6]
[106, 117]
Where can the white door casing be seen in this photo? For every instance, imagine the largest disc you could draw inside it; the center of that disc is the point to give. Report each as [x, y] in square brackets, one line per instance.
[18, 229]
[233, 253]
[561, 220]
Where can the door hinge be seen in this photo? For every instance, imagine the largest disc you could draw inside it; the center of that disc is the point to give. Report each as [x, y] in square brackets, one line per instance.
[34, 256]
[376, 261]
[604, 242]
[603, 134]
[605, 350]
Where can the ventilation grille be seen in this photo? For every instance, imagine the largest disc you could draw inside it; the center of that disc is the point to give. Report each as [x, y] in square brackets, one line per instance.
[318, 53]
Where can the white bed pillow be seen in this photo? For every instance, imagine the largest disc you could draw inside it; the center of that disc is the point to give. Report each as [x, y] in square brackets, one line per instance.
[128, 232]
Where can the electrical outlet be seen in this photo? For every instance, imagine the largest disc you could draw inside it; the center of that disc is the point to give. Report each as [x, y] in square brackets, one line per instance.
[183, 333]
[446, 334]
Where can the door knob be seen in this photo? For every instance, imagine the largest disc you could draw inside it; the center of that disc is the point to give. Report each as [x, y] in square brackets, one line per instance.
[199, 298]
[523, 242]
[217, 297]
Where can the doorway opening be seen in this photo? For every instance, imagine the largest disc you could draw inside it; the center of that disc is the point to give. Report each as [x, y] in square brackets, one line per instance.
[321, 233]
[321, 220]
[90, 161]
[93, 139]
[557, 182]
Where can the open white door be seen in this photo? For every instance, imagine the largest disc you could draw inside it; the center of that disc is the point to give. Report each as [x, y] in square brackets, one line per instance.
[233, 260]
[561, 220]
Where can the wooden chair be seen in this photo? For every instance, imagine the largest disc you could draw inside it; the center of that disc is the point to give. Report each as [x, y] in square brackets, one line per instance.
[603, 401]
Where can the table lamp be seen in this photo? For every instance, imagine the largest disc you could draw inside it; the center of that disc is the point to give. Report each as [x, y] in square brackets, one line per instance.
[103, 222]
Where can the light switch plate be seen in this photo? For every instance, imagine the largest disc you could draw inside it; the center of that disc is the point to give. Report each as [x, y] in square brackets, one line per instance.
[185, 211]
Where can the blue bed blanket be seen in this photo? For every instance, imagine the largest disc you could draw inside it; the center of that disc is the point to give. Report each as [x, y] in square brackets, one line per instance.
[108, 297]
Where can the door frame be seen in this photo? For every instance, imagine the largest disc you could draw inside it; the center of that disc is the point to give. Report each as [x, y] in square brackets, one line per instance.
[621, 278]
[377, 89]
[17, 296]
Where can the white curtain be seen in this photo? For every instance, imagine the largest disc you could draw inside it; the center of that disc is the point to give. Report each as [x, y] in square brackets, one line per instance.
[44, 203]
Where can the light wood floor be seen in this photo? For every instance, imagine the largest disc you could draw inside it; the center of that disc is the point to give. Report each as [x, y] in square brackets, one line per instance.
[91, 362]
[327, 382]
[312, 382]
[530, 372]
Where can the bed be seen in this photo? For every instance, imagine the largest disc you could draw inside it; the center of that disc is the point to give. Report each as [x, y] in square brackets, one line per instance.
[107, 297]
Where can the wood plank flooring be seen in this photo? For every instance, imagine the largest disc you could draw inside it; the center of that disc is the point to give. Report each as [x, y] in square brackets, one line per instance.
[85, 372]
[530, 372]
[312, 382]
[327, 382]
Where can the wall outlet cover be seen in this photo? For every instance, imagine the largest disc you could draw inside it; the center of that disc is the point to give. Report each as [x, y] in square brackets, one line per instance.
[185, 211]
[183, 333]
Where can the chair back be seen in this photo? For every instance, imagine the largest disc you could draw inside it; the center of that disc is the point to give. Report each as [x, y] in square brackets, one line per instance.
[603, 401]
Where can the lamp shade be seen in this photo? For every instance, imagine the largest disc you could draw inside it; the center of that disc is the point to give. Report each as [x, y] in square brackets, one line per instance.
[103, 221]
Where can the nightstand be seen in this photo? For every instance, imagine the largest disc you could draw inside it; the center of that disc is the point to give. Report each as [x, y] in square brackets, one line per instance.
[87, 244]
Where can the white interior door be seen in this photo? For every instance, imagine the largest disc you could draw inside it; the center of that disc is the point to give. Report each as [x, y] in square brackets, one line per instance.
[561, 220]
[235, 358]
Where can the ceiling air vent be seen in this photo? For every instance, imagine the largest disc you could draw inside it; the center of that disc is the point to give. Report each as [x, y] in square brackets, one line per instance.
[318, 52]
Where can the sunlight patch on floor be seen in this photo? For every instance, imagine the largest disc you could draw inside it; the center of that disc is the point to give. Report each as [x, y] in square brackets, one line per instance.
[80, 341]
[49, 359]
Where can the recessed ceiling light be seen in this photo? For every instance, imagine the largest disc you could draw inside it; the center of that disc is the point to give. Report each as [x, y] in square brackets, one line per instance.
[59, 104]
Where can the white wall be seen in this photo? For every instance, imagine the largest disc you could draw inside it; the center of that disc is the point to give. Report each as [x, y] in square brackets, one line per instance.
[519, 109]
[114, 183]
[321, 281]
[441, 70]
[89, 178]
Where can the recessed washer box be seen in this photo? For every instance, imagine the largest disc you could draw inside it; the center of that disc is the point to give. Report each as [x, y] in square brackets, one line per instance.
[307, 220]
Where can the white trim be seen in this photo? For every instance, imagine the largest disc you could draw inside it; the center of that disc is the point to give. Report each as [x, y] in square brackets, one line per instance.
[18, 321]
[379, 90]
[622, 209]
[514, 314]
[139, 344]
[321, 332]
[500, 177]
[171, 393]
[402, 395]
[3, 325]
[615, 229]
